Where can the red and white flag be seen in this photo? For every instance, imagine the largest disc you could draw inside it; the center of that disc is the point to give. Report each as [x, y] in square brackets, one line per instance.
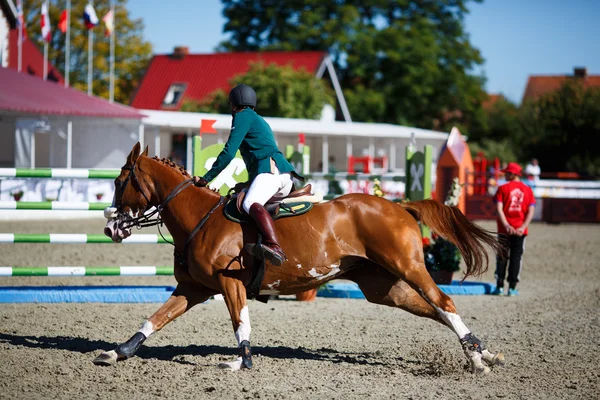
[45, 23]
[109, 21]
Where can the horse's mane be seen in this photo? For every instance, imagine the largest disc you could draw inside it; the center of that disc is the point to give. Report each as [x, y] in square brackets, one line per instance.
[180, 168]
[169, 163]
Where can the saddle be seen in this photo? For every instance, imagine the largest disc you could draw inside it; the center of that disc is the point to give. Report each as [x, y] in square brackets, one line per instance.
[296, 203]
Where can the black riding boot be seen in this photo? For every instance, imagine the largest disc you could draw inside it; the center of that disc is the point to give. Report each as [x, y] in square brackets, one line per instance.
[271, 250]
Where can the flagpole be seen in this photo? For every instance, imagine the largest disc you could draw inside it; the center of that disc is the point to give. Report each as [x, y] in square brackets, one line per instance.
[21, 27]
[46, 47]
[68, 45]
[90, 58]
[111, 97]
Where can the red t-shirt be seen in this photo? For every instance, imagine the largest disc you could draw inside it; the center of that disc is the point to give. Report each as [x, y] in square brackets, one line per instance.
[516, 197]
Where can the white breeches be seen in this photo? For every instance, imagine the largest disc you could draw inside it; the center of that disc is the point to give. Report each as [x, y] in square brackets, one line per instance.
[267, 185]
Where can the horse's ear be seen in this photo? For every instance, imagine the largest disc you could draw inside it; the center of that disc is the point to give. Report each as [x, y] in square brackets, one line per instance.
[135, 153]
[145, 152]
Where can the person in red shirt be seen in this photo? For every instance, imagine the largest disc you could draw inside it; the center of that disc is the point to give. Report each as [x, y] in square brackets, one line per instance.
[515, 206]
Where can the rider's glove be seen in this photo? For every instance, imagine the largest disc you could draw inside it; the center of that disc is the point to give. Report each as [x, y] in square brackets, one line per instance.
[199, 181]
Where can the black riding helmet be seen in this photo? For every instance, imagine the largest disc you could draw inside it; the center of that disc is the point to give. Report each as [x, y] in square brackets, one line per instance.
[242, 95]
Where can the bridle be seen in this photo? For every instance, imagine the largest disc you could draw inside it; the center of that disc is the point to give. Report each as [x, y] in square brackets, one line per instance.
[145, 220]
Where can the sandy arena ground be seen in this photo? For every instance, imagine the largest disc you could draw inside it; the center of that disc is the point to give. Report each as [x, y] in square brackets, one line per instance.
[328, 349]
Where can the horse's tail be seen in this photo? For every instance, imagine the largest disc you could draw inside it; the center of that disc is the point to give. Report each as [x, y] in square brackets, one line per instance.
[450, 223]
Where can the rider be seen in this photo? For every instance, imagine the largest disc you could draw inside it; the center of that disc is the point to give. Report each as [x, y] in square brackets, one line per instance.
[270, 174]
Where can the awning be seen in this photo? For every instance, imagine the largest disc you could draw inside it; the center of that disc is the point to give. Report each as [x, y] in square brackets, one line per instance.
[292, 126]
[25, 94]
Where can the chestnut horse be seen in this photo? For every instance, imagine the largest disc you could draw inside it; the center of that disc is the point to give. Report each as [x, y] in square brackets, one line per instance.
[369, 240]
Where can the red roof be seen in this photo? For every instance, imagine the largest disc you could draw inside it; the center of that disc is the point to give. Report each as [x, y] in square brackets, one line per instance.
[32, 60]
[205, 73]
[23, 93]
[540, 85]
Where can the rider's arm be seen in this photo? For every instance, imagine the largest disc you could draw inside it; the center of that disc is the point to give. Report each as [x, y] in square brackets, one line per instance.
[241, 125]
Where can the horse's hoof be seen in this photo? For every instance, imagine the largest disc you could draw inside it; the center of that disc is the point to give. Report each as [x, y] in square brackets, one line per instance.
[107, 358]
[492, 359]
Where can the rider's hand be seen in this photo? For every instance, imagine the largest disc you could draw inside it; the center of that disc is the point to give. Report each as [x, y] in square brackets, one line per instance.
[200, 181]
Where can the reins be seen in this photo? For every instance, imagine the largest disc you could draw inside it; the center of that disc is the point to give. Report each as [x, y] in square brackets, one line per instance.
[145, 220]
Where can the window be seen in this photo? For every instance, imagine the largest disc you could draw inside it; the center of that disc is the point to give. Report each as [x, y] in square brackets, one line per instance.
[174, 94]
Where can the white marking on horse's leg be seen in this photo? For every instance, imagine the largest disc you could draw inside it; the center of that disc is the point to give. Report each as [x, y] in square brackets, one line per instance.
[147, 329]
[243, 331]
[454, 321]
[234, 365]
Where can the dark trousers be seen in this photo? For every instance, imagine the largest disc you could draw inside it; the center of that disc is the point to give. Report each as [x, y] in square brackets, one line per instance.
[514, 247]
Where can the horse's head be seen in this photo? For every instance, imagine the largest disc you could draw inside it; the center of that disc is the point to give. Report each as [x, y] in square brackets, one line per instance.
[131, 199]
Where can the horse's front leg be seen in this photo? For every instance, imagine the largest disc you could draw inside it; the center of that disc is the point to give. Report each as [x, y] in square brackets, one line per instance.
[234, 294]
[183, 298]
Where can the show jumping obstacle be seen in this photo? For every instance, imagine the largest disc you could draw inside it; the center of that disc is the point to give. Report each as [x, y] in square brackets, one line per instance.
[79, 238]
[87, 271]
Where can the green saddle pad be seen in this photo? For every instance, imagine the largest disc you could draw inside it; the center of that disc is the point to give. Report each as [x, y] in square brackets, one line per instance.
[285, 210]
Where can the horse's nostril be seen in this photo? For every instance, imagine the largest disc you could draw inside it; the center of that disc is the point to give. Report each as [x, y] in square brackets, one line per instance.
[108, 232]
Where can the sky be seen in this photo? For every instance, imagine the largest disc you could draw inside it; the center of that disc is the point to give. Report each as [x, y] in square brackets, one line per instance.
[517, 38]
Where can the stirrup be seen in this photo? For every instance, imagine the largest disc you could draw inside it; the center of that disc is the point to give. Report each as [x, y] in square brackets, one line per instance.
[263, 251]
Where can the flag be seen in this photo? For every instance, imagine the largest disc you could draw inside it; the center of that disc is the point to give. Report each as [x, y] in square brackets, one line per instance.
[62, 23]
[206, 126]
[89, 17]
[20, 20]
[45, 23]
[109, 21]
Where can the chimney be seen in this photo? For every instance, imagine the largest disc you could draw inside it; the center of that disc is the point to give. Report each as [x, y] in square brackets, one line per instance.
[580, 72]
[180, 52]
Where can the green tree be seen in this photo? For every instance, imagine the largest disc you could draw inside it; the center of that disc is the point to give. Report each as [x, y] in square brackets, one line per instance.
[282, 91]
[562, 129]
[399, 61]
[132, 53]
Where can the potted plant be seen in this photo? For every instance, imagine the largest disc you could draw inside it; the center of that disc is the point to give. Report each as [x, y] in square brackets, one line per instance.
[18, 194]
[442, 259]
[99, 196]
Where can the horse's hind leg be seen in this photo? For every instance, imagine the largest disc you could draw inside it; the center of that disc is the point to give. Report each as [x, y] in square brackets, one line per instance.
[183, 298]
[411, 269]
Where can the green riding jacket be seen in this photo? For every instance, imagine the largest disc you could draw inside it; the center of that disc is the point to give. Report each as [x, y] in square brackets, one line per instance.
[251, 134]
